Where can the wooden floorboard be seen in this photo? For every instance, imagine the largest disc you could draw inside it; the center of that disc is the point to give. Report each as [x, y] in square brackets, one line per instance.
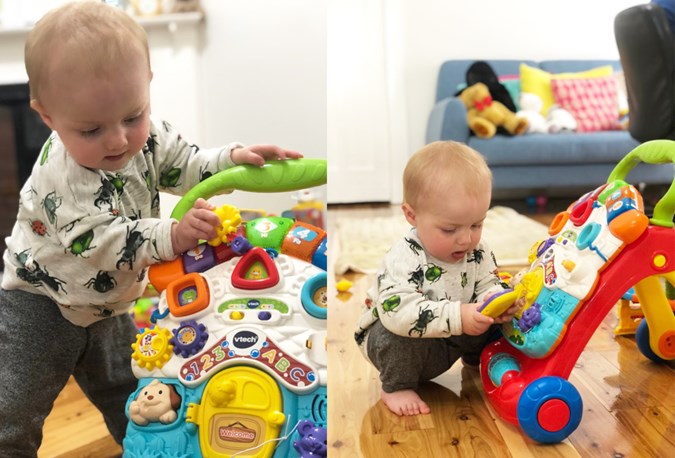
[75, 428]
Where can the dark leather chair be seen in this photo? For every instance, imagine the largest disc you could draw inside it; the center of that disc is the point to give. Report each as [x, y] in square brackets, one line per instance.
[646, 47]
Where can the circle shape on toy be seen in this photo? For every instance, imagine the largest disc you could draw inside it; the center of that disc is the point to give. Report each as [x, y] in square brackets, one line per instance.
[642, 342]
[314, 294]
[549, 409]
[581, 212]
[558, 223]
[545, 245]
[588, 235]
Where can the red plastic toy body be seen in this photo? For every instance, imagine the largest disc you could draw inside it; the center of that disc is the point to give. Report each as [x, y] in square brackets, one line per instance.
[599, 248]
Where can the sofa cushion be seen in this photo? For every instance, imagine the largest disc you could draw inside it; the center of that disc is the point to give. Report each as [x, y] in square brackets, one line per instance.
[565, 148]
[592, 101]
[538, 81]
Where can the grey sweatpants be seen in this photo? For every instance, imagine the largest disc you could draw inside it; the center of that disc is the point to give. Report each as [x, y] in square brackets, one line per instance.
[39, 350]
[404, 362]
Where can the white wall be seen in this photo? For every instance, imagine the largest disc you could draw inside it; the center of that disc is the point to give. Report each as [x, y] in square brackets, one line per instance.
[261, 78]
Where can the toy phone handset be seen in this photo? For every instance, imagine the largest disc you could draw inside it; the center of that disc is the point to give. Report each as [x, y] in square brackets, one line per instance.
[276, 176]
[651, 152]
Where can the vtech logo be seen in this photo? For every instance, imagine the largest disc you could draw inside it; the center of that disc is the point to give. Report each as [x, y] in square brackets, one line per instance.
[245, 339]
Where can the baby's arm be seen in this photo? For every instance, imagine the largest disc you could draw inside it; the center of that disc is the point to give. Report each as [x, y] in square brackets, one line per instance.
[180, 165]
[199, 223]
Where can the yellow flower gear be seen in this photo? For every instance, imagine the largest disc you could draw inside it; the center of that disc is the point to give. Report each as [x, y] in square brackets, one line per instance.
[152, 348]
[230, 219]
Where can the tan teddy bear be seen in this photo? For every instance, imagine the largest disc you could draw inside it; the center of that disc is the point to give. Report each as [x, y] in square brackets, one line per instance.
[484, 115]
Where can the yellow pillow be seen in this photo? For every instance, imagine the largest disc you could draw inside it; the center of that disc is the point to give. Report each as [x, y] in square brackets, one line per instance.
[538, 81]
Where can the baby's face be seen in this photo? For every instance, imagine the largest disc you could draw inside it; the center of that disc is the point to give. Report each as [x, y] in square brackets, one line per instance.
[102, 121]
[450, 226]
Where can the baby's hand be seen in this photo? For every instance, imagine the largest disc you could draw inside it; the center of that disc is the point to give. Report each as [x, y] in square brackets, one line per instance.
[259, 154]
[509, 314]
[199, 223]
[474, 323]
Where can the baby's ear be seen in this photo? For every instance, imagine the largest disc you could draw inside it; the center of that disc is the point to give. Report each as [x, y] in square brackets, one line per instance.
[37, 106]
[409, 214]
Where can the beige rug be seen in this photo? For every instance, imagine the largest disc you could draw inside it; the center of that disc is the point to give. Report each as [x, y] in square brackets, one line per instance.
[364, 241]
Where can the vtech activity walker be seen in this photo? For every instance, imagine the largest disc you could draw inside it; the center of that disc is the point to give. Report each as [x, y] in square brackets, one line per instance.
[236, 358]
[599, 248]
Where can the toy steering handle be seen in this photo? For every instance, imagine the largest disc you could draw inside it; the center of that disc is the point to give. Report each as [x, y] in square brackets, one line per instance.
[276, 176]
[651, 152]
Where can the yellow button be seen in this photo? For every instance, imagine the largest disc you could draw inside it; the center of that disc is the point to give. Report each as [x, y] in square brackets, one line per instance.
[659, 260]
[236, 315]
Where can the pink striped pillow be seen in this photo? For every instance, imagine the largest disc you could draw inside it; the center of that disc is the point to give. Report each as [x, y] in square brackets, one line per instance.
[592, 101]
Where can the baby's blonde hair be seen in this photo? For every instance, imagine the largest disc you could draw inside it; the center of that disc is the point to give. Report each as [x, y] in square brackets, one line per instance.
[430, 169]
[89, 34]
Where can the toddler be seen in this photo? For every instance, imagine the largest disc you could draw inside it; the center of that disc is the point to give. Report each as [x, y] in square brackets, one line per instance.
[421, 315]
[88, 224]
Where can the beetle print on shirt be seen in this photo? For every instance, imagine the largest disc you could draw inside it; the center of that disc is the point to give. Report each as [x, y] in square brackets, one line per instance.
[414, 246]
[433, 272]
[105, 195]
[40, 276]
[102, 283]
[133, 242]
[118, 182]
[424, 317]
[50, 204]
[82, 243]
[476, 256]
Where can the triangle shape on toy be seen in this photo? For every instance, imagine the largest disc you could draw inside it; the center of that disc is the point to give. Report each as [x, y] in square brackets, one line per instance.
[255, 270]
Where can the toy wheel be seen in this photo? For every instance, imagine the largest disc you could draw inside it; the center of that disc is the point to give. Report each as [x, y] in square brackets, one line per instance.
[642, 341]
[549, 409]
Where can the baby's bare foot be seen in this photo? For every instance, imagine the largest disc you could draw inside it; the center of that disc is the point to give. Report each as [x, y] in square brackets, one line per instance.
[405, 402]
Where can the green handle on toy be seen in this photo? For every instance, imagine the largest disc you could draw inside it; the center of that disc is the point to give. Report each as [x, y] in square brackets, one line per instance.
[276, 176]
[651, 152]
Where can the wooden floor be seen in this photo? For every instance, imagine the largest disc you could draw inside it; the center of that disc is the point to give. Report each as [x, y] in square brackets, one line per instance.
[629, 402]
[75, 429]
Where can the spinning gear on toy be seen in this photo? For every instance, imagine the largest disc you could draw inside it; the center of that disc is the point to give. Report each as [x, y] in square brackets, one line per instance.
[230, 219]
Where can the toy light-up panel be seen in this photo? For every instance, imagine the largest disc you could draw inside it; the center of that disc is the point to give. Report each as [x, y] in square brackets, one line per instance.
[598, 249]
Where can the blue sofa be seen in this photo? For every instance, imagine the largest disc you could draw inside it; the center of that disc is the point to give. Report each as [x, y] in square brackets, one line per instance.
[548, 164]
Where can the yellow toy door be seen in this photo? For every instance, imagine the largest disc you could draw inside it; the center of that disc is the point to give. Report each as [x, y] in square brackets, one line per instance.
[240, 409]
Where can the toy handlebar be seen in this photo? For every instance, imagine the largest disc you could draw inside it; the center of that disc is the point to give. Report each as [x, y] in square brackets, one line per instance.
[277, 176]
[651, 152]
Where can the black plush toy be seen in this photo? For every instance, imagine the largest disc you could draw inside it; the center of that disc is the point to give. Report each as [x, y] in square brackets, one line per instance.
[482, 72]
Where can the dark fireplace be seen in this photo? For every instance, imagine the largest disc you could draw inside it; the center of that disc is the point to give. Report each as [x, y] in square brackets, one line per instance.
[22, 134]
